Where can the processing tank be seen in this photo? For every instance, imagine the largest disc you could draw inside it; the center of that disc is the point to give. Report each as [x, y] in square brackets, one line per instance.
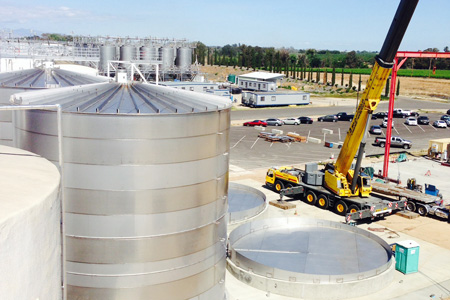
[184, 58]
[107, 53]
[146, 176]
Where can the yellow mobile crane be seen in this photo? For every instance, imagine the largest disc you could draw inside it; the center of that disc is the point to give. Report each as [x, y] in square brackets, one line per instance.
[339, 186]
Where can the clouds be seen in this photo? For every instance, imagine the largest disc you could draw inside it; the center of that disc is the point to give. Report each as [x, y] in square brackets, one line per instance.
[30, 14]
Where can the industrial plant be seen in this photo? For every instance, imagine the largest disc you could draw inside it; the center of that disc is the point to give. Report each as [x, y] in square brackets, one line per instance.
[123, 177]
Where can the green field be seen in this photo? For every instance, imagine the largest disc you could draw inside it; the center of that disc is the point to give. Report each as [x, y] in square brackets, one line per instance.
[444, 74]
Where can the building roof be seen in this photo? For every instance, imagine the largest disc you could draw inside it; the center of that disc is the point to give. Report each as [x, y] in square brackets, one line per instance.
[262, 76]
[115, 98]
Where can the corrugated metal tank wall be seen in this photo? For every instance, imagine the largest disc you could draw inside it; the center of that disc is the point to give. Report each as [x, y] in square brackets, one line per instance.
[107, 52]
[184, 58]
[145, 201]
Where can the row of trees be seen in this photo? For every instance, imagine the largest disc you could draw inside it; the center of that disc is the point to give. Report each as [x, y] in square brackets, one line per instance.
[278, 60]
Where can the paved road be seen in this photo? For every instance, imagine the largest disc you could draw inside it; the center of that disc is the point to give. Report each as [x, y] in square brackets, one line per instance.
[249, 152]
[265, 113]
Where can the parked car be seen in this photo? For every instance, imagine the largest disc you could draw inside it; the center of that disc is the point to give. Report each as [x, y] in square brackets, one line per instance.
[328, 118]
[305, 120]
[411, 121]
[291, 121]
[256, 123]
[424, 120]
[343, 116]
[274, 122]
[384, 124]
[379, 115]
[398, 113]
[375, 129]
[236, 91]
[395, 142]
[440, 124]
[446, 118]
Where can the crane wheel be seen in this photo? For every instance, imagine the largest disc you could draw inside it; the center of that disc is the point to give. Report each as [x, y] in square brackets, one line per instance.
[353, 208]
[341, 208]
[322, 201]
[279, 186]
[311, 197]
[410, 206]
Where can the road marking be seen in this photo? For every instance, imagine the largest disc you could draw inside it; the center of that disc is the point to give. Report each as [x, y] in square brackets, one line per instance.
[421, 127]
[406, 128]
[238, 142]
[254, 143]
[396, 130]
[432, 127]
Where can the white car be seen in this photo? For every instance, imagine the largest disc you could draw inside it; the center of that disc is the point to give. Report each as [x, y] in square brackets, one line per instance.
[384, 124]
[440, 124]
[411, 121]
[291, 121]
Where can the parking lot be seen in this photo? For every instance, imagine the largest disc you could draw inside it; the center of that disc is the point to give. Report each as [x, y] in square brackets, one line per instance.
[250, 152]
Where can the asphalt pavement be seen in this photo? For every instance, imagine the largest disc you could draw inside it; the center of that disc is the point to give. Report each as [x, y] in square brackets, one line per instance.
[250, 152]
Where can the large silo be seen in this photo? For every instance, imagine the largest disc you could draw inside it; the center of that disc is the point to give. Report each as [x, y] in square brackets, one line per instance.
[149, 53]
[127, 53]
[29, 80]
[168, 58]
[184, 58]
[146, 171]
[107, 52]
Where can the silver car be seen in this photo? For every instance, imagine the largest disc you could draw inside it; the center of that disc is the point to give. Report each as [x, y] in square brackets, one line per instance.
[291, 121]
[274, 122]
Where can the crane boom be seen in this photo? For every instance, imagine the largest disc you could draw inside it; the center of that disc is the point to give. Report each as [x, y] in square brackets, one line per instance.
[338, 176]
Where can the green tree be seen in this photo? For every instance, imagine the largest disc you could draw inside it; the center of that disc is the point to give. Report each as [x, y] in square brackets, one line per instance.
[359, 83]
[350, 81]
[333, 77]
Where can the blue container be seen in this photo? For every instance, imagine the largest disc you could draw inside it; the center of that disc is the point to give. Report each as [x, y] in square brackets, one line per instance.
[407, 257]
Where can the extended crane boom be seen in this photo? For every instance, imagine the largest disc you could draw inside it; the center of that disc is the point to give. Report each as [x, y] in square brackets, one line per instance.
[339, 175]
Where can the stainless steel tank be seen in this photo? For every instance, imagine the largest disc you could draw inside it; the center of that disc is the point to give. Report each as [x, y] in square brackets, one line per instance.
[184, 58]
[167, 57]
[149, 53]
[32, 79]
[127, 53]
[146, 176]
[107, 52]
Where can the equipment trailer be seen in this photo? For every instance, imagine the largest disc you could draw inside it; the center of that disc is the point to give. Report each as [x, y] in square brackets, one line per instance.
[423, 204]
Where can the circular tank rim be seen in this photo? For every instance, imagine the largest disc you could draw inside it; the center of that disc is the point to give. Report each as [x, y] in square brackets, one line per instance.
[254, 267]
[238, 217]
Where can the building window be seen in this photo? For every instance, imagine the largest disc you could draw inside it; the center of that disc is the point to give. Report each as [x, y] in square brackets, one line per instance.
[304, 97]
[274, 98]
[263, 99]
[264, 85]
[183, 88]
[204, 88]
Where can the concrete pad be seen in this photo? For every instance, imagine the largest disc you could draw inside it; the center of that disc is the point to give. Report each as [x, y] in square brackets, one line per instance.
[432, 235]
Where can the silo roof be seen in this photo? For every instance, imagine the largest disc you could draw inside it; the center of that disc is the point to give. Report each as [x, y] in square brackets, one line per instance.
[44, 78]
[116, 98]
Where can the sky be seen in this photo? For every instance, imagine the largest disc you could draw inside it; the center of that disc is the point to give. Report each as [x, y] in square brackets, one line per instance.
[343, 25]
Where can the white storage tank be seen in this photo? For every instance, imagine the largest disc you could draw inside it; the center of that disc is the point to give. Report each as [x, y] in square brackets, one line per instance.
[146, 177]
[30, 216]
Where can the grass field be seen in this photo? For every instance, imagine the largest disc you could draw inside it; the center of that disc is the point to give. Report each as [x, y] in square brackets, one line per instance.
[442, 74]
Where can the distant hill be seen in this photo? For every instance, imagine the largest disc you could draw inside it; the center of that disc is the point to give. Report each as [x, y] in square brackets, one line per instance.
[20, 32]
